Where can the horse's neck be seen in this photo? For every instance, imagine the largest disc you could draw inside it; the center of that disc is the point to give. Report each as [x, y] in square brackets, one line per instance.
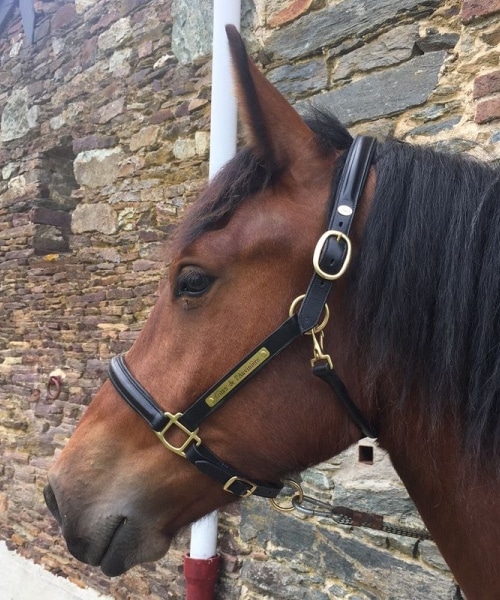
[462, 513]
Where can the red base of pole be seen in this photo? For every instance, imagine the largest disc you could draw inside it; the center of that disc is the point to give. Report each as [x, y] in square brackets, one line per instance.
[201, 577]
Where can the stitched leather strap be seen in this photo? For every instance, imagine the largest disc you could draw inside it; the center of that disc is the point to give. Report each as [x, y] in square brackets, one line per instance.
[233, 481]
[199, 455]
[135, 394]
[345, 201]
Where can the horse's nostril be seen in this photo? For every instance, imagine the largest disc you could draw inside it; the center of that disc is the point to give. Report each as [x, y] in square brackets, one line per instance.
[51, 502]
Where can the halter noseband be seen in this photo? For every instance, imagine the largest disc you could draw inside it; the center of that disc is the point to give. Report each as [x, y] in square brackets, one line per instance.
[330, 260]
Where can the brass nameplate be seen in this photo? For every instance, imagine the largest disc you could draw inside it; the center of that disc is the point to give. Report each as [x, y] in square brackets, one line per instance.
[233, 380]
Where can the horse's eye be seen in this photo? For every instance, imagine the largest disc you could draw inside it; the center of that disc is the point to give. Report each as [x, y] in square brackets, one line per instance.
[192, 282]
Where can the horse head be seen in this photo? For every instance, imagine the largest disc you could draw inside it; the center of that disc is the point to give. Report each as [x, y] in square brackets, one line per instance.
[239, 259]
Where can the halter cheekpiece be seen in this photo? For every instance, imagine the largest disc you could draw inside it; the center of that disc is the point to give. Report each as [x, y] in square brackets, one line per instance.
[330, 260]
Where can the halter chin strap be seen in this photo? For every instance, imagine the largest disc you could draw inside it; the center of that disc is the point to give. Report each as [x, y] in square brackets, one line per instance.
[330, 260]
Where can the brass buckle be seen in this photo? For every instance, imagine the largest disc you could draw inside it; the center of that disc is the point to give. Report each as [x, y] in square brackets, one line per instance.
[319, 247]
[192, 435]
[230, 482]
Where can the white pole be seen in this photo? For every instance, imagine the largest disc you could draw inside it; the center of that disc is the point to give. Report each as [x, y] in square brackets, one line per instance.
[223, 125]
[223, 121]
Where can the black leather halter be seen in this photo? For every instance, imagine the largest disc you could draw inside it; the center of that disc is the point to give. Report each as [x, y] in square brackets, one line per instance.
[331, 259]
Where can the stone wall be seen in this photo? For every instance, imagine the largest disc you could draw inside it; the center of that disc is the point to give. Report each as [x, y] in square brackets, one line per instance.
[103, 143]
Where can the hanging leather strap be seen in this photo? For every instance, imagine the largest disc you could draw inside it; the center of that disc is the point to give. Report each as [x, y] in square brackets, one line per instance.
[329, 376]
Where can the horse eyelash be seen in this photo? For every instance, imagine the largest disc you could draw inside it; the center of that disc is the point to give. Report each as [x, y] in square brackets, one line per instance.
[184, 277]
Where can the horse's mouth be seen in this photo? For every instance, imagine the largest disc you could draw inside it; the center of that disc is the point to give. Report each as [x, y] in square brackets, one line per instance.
[117, 547]
[112, 562]
[106, 549]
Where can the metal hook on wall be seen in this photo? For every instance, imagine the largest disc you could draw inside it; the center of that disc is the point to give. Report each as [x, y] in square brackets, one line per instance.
[54, 384]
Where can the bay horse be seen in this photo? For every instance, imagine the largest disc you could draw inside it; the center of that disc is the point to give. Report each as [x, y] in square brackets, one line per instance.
[413, 334]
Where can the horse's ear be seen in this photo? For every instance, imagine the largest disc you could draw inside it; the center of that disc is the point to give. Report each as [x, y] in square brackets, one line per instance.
[274, 129]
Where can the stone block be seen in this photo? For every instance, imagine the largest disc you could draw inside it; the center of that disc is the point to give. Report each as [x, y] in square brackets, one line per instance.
[46, 216]
[272, 579]
[487, 84]
[95, 168]
[431, 555]
[63, 17]
[119, 62]
[145, 49]
[475, 9]
[432, 42]
[17, 116]
[293, 11]
[110, 111]
[487, 110]
[145, 265]
[391, 48]
[299, 79]
[196, 103]
[346, 557]
[48, 238]
[116, 35]
[387, 92]
[94, 217]
[83, 5]
[433, 128]
[93, 142]
[42, 30]
[161, 116]
[191, 30]
[144, 138]
[184, 148]
[202, 143]
[334, 24]
[88, 51]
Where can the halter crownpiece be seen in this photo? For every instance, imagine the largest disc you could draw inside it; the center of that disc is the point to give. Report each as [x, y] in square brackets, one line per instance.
[330, 261]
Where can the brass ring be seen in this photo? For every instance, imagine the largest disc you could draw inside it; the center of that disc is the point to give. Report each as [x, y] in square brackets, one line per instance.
[318, 327]
[298, 496]
[293, 306]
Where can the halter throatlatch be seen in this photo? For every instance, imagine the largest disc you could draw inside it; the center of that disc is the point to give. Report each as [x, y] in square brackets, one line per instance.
[330, 261]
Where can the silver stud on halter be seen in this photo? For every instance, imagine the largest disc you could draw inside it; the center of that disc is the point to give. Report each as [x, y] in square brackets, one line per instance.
[344, 210]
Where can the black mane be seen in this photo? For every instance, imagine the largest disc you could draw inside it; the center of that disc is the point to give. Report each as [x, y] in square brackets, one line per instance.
[427, 288]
